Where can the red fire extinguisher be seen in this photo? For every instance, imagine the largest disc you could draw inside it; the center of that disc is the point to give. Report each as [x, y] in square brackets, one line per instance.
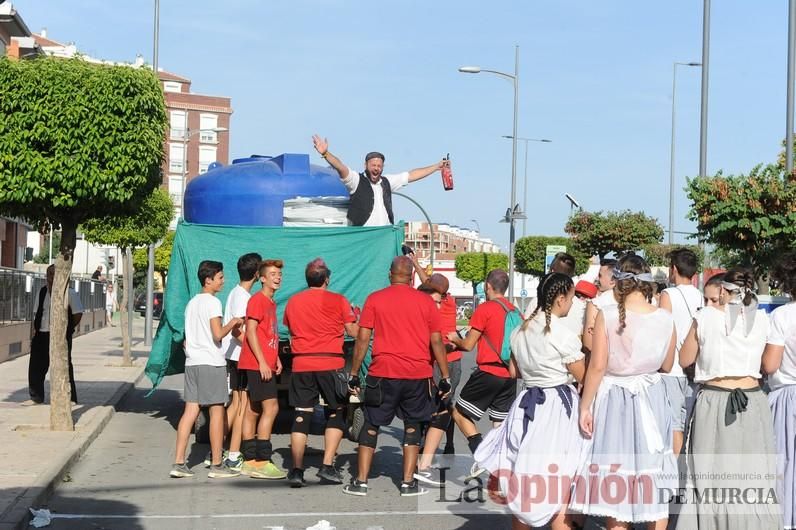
[447, 174]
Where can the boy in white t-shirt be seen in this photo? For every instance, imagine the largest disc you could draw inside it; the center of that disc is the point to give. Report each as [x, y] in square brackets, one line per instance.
[205, 370]
[236, 308]
[682, 301]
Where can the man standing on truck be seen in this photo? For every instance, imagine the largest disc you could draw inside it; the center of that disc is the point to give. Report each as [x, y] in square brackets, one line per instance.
[318, 320]
[406, 324]
[371, 191]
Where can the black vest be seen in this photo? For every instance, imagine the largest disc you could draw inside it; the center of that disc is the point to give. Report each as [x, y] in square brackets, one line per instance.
[361, 205]
[40, 311]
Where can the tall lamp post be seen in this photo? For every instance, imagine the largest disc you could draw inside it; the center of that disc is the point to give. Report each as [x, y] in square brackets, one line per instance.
[512, 213]
[525, 177]
[150, 270]
[671, 154]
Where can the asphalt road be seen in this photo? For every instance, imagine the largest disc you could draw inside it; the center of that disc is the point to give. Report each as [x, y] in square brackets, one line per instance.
[122, 482]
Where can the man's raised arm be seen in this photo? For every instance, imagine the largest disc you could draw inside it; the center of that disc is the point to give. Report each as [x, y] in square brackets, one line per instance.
[322, 146]
[423, 172]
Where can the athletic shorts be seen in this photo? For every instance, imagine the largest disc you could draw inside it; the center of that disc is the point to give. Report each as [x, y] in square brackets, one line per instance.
[237, 378]
[486, 393]
[258, 389]
[409, 399]
[676, 389]
[206, 385]
[305, 387]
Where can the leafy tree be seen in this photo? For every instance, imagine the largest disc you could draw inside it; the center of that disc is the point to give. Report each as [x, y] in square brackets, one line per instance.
[147, 225]
[750, 217]
[162, 257]
[618, 232]
[657, 255]
[530, 253]
[77, 140]
[473, 267]
[44, 254]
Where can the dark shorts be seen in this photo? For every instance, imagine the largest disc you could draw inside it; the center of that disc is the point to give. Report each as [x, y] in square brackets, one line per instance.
[410, 399]
[258, 389]
[237, 379]
[305, 387]
[486, 393]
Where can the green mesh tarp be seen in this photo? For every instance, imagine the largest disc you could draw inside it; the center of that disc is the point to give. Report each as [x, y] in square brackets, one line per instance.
[359, 258]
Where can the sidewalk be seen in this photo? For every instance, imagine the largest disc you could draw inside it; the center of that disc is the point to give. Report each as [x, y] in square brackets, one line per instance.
[36, 459]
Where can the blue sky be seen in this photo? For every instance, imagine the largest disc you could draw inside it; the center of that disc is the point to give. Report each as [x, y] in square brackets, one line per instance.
[595, 78]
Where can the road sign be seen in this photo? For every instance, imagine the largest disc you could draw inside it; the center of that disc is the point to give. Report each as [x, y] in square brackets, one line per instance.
[550, 253]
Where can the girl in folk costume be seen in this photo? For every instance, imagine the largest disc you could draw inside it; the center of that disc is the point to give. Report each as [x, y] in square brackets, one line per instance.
[625, 408]
[779, 360]
[539, 442]
[730, 445]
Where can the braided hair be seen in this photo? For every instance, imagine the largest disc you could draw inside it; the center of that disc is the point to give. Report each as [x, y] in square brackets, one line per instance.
[784, 275]
[551, 286]
[635, 265]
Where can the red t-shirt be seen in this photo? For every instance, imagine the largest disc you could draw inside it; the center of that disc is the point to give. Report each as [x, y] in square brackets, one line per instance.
[263, 310]
[316, 319]
[447, 312]
[490, 319]
[402, 320]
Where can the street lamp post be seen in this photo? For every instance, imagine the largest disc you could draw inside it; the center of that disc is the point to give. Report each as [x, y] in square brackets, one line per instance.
[512, 211]
[150, 271]
[525, 177]
[671, 154]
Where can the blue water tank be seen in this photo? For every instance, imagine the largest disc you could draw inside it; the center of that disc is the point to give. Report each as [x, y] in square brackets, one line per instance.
[251, 191]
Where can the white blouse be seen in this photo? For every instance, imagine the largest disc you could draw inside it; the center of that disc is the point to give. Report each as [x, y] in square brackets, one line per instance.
[723, 354]
[783, 333]
[542, 358]
[642, 346]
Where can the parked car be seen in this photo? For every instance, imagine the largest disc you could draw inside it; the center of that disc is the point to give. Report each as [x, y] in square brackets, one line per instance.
[157, 307]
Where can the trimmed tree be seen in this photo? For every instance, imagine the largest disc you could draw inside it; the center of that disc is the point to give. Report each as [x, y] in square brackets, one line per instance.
[749, 217]
[657, 255]
[618, 232]
[162, 257]
[146, 226]
[77, 140]
[473, 267]
[530, 253]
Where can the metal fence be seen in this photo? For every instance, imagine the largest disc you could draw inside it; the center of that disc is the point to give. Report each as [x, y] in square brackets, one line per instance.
[19, 290]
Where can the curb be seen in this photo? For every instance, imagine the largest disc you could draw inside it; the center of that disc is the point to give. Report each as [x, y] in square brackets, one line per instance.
[17, 517]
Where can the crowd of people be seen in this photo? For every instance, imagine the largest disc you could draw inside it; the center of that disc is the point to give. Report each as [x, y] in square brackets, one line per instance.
[621, 380]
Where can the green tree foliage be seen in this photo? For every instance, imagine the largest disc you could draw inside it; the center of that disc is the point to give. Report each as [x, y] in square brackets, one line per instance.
[473, 267]
[149, 224]
[162, 257]
[530, 252]
[749, 217]
[77, 140]
[618, 232]
[657, 255]
[44, 254]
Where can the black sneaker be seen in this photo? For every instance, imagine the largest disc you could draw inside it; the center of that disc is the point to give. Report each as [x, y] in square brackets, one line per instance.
[412, 489]
[356, 488]
[330, 474]
[296, 478]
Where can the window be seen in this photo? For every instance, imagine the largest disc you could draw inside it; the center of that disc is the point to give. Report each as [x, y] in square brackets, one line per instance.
[207, 155]
[175, 192]
[172, 86]
[176, 158]
[177, 124]
[207, 122]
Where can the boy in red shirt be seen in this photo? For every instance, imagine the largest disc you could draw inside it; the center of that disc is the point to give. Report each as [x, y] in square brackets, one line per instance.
[406, 324]
[490, 388]
[259, 358]
[318, 320]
